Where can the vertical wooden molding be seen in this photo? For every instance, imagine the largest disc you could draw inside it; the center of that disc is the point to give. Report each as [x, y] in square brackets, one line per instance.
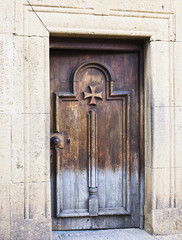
[92, 155]
[128, 153]
[57, 181]
[59, 175]
[57, 112]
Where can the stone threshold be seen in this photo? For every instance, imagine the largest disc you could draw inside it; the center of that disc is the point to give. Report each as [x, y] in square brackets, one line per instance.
[111, 234]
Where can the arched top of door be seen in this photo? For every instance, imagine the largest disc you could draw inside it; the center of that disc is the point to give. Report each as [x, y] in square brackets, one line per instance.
[104, 68]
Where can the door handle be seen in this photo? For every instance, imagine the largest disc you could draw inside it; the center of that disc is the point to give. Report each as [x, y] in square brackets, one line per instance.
[57, 140]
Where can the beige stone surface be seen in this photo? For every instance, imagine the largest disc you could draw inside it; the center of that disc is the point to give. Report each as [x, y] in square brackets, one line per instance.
[37, 84]
[149, 195]
[161, 67]
[38, 143]
[28, 22]
[31, 229]
[19, 14]
[37, 195]
[161, 141]
[163, 221]
[148, 138]
[35, 26]
[153, 5]
[148, 75]
[17, 201]
[178, 192]
[178, 73]
[5, 229]
[7, 16]
[177, 5]
[178, 137]
[167, 221]
[127, 25]
[18, 74]
[161, 188]
[157, 188]
[5, 146]
[6, 72]
[18, 152]
[4, 202]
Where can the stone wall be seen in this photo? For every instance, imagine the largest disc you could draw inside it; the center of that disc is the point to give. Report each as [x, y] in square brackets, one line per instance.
[24, 103]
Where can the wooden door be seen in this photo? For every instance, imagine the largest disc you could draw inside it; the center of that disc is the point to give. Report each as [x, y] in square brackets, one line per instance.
[96, 134]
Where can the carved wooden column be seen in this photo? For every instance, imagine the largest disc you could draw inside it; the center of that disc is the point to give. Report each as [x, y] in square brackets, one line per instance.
[92, 155]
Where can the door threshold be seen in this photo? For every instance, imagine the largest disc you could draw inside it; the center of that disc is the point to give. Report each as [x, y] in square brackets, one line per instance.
[109, 234]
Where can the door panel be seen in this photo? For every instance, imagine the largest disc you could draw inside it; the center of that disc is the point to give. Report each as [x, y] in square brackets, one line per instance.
[95, 139]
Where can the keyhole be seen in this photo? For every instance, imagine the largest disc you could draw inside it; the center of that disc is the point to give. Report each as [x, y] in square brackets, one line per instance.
[68, 141]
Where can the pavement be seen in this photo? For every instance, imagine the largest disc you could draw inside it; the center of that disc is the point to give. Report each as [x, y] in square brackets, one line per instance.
[116, 234]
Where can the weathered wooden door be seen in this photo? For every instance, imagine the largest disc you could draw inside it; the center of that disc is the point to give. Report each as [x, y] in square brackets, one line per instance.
[96, 134]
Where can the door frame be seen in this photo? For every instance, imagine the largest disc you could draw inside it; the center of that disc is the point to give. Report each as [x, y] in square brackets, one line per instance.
[122, 45]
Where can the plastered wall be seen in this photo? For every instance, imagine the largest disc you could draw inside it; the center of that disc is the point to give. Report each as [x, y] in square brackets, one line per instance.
[24, 104]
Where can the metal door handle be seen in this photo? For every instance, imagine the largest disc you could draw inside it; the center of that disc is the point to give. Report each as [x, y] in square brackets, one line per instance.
[57, 140]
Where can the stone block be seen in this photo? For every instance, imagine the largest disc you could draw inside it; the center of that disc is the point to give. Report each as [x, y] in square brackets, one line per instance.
[148, 223]
[30, 147]
[177, 5]
[19, 17]
[6, 72]
[163, 221]
[147, 74]
[5, 230]
[148, 187]
[178, 73]
[5, 146]
[35, 26]
[99, 25]
[161, 141]
[178, 192]
[178, 136]
[135, 5]
[37, 81]
[167, 221]
[31, 229]
[161, 67]
[148, 138]
[38, 147]
[28, 22]
[7, 16]
[162, 188]
[18, 74]
[157, 188]
[12, 75]
[37, 200]
[17, 201]
[4, 202]
[18, 142]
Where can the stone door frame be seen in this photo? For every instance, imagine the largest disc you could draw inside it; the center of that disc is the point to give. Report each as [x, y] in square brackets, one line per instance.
[34, 25]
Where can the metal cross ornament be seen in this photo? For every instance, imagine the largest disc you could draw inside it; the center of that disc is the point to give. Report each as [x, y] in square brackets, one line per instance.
[93, 95]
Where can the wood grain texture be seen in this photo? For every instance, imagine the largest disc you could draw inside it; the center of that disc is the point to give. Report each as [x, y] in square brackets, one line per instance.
[93, 163]
[98, 171]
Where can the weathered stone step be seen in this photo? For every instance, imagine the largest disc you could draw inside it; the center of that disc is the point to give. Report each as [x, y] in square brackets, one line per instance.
[116, 234]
